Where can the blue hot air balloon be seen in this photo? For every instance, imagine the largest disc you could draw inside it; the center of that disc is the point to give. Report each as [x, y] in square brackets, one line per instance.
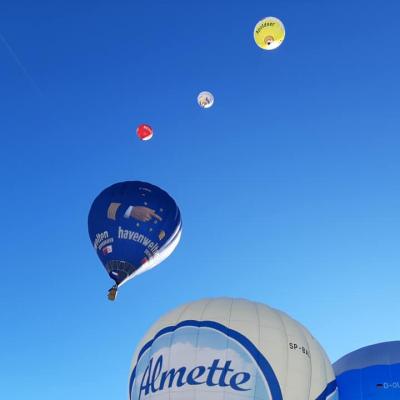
[372, 373]
[133, 226]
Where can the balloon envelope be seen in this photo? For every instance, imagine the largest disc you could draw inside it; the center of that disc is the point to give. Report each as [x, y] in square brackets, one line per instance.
[133, 226]
[372, 372]
[231, 349]
[269, 33]
[144, 132]
[205, 99]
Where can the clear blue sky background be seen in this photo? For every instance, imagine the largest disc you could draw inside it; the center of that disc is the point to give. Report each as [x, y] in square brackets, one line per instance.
[288, 186]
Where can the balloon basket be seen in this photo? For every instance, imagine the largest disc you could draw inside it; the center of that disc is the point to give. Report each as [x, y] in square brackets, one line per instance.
[112, 293]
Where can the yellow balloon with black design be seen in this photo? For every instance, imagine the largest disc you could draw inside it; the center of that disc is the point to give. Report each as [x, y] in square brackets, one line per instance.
[269, 33]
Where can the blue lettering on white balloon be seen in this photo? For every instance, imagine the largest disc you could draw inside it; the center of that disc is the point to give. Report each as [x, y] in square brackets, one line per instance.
[155, 379]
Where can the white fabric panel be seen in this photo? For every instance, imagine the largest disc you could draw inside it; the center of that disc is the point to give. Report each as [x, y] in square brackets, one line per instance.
[298, 361]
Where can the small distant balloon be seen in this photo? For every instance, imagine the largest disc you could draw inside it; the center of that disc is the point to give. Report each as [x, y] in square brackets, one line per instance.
[144, 132]
[269, 33]
[205, 99]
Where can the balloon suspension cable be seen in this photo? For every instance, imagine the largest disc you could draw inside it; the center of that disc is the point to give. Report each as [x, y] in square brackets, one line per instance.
[112, 293]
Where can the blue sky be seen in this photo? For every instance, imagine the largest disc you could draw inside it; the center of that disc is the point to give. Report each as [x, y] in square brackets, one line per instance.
[288, 186]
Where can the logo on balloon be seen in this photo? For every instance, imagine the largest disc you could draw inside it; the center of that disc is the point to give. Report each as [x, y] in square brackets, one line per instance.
[203, 359]
[102, 239]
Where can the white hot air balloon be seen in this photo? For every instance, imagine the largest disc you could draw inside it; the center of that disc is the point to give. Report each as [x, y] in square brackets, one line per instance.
[230, 349]
[205, 99]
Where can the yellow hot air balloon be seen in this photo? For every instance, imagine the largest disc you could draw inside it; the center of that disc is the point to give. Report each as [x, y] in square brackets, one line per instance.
[269, 33]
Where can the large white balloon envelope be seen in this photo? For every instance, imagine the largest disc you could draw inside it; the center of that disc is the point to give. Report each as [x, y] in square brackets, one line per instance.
[230, 349]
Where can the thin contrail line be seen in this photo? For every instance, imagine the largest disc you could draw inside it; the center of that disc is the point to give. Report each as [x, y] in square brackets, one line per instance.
[20, 65]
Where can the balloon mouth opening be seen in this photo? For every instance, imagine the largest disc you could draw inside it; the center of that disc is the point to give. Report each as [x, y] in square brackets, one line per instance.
[205, 103]
[119, 271]
[269, 40]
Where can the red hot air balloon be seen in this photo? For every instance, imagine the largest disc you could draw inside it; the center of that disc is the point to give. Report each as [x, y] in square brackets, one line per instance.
[144, 132]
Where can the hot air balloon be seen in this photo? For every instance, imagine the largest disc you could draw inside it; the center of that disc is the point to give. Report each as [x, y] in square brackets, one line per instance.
[372, 372]
[144, 132]
[133, 226]
[233, 349]
[269, 33]
[205, 99]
